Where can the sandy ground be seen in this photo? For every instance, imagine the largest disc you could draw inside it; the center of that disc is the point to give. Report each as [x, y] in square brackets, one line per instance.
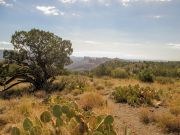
[128, 116]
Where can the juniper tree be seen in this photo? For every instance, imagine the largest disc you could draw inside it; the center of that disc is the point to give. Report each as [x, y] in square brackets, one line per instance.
[39, 55]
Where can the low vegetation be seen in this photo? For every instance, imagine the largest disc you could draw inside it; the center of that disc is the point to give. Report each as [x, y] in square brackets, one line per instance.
[144, 71]
[91, 100]
[65, 117]
[136, 95]
[169, 122]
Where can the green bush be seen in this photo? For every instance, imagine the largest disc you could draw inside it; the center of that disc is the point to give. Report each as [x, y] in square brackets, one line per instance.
[119, 73]
[178, 72]
[136, 95]
[146, 76]
[71, 82]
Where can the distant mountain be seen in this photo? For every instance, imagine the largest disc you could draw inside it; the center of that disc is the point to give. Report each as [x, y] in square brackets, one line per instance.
[1, 54]
[80, 63]
[85, 63]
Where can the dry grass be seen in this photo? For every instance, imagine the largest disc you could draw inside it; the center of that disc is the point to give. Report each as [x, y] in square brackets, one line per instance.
[91, 100]
[170, 123]
[40, 94]
[167, 121]
[146, 116]
[174, 104]
[15, 110]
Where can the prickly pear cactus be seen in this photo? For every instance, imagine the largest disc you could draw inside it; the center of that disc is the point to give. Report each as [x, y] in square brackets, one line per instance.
[59, 122]
[109, 120]
[35, 130]
[45, 117]
[63, 114]
[57, 111]
[15, 131]
[27, 124]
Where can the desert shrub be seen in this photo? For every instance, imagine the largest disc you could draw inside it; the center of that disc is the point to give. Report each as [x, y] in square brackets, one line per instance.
[175, 110]
[59, 86]
[146, 116]
[146, 76]
[91, 100]
[174, 105]
[73, 82]
[170, 123]
[135, 95]
[64, 117]
[119, 73]
[99, 87]
[178, 72]
[108, 84]
[102, 70]
[76, 92]
[164, 80]
[167, 121]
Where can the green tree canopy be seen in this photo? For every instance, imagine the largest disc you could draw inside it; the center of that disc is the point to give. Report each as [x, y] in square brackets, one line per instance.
[40, 55]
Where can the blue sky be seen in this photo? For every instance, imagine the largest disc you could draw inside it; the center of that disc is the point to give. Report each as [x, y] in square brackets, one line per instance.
[130, 29]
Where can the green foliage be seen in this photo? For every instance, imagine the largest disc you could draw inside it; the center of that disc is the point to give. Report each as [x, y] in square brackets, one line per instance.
[27, 124]
[15, 131]
[109, 119]
[146, 76]
[59, 122]
[4, 70]
[57, 112]
[119, 73]
[35, 130]
[68, 116]
[74, 82]
[45, 117]
[178, 72]
[39, 56]
[136, 95]
[102, 70]
[132, 68]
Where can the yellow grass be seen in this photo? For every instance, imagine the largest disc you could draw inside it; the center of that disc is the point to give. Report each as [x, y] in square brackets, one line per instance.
[13, 111]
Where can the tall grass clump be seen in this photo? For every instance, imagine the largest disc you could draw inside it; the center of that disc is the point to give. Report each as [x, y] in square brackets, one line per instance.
[119, 73]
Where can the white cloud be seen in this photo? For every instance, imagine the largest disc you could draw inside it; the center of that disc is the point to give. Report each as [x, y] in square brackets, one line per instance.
[174, 45]
[49, 10]
[67, 1]
[4, 3]
[127, 2]
[107, 3]
[92, 42]
[76, 15]
[5, 45]
[157, 16]
[72, 1]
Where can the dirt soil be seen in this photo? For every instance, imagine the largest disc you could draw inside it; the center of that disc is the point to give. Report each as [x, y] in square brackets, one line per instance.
[128, 116]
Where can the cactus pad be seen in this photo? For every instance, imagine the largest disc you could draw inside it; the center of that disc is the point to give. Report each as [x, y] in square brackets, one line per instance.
[27, 124]
[15, 131]
[57, 112]
[45, 117]
[109, 119]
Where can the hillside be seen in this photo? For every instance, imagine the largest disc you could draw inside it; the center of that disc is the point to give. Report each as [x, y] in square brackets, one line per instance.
[85, 63]
[1, 54]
